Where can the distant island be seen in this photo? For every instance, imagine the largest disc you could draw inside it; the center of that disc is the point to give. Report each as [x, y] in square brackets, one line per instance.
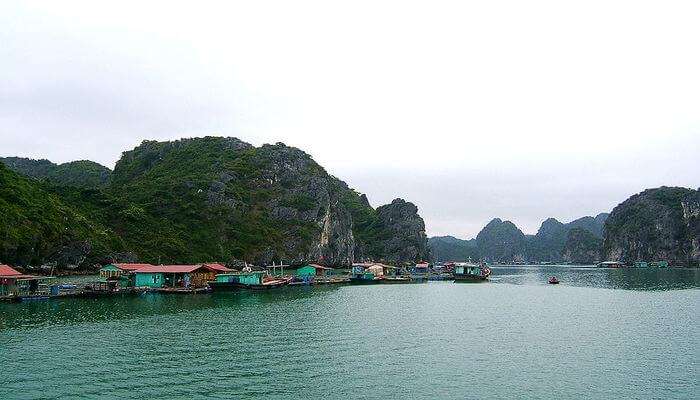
[219, 198]
[661, 224]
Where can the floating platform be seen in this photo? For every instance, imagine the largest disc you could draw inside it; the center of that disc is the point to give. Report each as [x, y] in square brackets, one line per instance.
[180, 290]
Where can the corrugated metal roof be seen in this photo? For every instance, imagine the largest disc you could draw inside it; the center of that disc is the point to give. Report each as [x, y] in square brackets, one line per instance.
[218, 267]
[131, 266]
[6, 270]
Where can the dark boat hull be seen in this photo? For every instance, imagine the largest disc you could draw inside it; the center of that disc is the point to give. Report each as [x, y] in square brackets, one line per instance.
[234, 286]
[224, 286]
[362, 281]
[470, 278]
[398, 280]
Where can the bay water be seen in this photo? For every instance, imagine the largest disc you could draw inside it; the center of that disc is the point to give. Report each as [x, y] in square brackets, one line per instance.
[600, 334]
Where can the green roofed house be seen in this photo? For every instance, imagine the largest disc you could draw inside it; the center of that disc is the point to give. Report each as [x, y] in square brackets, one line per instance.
[313, 270]
[118, 269]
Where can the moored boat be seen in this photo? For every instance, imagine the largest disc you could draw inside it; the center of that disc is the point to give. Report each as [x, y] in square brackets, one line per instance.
[610, 264]
[464, 272]
[553, 280]
[397, 279]
[253, 280]
[366, 275]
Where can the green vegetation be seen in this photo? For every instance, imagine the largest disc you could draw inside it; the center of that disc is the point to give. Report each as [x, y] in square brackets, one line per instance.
[582, 247]
[502, 241]
[37, 225]
[657, 224]
[190, 200]
[82, 174]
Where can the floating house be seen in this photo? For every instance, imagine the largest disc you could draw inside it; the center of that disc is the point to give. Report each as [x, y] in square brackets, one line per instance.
[365, 273]
[421, 268]
[313, 270]
[659, 264]
[242, 278]
[376, 270]
[116, 270]
[174, 276]
[15, 283]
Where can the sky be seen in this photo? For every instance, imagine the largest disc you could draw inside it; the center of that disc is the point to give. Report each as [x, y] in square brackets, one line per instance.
[470, 109]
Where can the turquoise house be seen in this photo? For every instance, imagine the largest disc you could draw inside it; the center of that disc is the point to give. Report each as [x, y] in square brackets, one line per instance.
[243, 278]
[313, 270]
[150, 279]
[306, 271]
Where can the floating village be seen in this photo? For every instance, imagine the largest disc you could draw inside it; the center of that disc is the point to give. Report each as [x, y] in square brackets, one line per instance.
[136, 278]
[132, 278]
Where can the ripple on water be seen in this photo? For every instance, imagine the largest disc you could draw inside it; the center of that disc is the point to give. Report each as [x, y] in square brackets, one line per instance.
[504, 340]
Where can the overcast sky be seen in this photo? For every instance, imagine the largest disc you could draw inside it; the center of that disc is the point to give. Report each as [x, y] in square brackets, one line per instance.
[471, 109]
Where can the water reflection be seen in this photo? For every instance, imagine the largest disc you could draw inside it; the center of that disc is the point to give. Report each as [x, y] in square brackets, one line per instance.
[79, 310]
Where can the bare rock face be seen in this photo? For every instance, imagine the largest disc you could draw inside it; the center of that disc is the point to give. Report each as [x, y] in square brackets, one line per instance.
[655, 225]
[203, 199]
[581, 247]
[264, 204]
[501, 241]
[401, 236]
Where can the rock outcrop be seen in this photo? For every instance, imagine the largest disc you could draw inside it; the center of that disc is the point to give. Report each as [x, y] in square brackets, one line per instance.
[661, 224]
[216, 198]
[450, 248]
[401, 233]
[581, 247]
[502, 241]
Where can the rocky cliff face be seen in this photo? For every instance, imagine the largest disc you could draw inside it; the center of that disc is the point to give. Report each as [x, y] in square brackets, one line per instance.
[266, 204]
[581, 247]
[217, 198]
[657, 224]
[449, 248]
[501, 241]
[401, 234]
[548, 244]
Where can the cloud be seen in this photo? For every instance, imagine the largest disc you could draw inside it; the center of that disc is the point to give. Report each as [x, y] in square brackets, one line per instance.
[521, 110]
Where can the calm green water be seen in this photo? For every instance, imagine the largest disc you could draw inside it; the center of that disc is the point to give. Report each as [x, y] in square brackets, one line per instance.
[600, 334]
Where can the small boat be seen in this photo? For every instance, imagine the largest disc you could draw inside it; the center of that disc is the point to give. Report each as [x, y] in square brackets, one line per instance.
[465, 272]
[610, 264]
[361, 275]
[553, 280]
[253, 280]
[397, 279]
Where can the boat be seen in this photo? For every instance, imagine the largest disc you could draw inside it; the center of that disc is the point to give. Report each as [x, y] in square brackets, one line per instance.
[366, 275]
[553, 280]
[443, 276]
[397, 279]
[465, 272]
[253, 280]
[610, 264]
